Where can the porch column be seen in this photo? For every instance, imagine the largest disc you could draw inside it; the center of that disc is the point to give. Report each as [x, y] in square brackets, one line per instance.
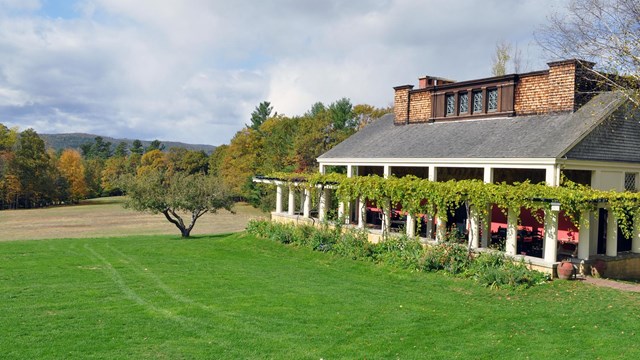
[306, 211]
[612, 234]
[386, 217]
[322, 205]
[433, 173]
[344, 212]
[411, 226]
[361, 212]
[474, 227]
[386, 171]
[584, 236]
[550, 236]
[279, 198]
[635, 242]
[486, 229]
[292, 201]
[428, 222]
[551, 176]
[512, 232]
[441, 228]
[488, 174]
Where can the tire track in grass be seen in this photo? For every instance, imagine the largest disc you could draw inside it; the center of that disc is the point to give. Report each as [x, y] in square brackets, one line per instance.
[142, 270]
[232, 319]
[190, 323]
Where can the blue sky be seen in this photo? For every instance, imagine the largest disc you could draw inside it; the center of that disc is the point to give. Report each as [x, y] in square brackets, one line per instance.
[193, 70]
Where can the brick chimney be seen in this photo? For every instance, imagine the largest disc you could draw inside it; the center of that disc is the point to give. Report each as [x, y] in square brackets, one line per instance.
[401, 104]
[566, 85]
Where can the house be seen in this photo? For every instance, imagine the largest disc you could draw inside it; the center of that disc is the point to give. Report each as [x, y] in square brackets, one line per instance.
[539, 126]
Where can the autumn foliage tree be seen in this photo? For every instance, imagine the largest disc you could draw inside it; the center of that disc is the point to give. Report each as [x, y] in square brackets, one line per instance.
[71, 168]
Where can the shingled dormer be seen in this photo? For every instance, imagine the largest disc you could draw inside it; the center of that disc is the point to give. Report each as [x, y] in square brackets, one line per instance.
[561, 88]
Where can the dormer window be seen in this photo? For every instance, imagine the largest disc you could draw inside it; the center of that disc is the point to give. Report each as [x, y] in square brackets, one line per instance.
[477, 101]
[464, 102]
[492, 99]
[451, 104]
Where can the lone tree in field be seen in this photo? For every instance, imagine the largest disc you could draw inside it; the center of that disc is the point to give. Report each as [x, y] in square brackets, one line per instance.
[194, 194]
[606, 32]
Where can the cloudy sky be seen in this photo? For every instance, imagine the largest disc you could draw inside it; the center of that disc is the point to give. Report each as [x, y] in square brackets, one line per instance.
[193, 70]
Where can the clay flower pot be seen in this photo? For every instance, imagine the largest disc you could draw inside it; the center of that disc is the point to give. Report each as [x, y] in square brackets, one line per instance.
[565, 270]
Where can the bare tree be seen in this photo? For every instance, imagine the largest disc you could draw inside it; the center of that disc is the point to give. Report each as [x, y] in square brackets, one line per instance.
[500, 58]
[605, 32]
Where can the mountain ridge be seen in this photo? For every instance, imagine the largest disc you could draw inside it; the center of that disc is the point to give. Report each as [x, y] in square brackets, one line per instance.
[74, 140]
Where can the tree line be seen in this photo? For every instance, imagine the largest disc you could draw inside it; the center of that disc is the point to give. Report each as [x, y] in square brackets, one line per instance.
[33, 176]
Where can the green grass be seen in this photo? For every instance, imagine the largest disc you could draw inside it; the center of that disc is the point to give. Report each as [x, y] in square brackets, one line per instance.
[236, 297]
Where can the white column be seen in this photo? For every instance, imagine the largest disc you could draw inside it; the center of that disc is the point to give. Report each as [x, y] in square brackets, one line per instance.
[550, 176]
[292, 201]
[386, 217]
[612, 234]
[387, 171]
[411, 226]
[361, 212]
[474, 227]
[512, 232]
[344, 212]
[322, 205]
[550, 236]
[321, 168]
[441, 228]
[635, 242]
[486, 228]
[428, 221]
[433, 173]
[488, 174]
[306, 210]
[279, 198]
[584, 236]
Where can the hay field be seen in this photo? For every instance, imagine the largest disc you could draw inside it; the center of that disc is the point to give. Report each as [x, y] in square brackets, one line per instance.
[105, 217]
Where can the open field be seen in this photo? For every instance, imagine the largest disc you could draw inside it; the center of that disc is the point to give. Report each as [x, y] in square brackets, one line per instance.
[236, 297]
[105, 217]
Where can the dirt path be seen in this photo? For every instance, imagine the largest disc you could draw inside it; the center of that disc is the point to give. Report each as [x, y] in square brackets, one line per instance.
[612, 284]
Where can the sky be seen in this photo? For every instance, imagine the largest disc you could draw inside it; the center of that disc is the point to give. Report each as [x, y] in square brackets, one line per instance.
[194, 70]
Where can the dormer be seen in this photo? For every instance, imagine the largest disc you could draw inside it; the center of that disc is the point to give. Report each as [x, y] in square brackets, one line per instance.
[558, 89]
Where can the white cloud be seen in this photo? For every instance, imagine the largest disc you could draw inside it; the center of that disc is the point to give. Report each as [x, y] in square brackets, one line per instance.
[194, 70]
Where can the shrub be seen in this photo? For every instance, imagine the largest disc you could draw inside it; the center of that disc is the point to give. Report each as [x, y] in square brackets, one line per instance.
[353, 244]
[401, 251]
[490, 269]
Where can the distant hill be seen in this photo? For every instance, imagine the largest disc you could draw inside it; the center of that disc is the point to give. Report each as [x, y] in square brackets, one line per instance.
[74, 140]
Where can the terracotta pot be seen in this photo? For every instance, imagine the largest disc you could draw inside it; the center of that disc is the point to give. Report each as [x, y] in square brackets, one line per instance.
[565, 270]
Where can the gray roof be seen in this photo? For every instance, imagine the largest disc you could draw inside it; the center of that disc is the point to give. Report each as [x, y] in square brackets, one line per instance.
[534, 136]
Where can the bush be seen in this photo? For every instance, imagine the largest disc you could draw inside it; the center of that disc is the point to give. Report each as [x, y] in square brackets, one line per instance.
[490, 269]
[401, 251]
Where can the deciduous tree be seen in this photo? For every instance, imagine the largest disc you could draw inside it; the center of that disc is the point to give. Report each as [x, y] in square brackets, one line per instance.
[606, 32]
[71, 168]
[194, 194]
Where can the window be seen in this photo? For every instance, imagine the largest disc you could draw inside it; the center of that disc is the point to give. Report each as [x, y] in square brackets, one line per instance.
[630, 182]
[451, 104]
[464, 102]
[492, 99]
[477, 101]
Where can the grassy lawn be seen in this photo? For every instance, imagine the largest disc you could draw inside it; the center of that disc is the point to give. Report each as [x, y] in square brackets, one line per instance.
[232, 296]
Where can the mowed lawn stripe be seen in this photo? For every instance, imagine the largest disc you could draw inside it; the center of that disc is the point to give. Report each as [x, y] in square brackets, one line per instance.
[233, 296]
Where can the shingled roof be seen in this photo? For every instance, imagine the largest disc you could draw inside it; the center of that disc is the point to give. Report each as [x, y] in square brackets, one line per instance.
[534, 136]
